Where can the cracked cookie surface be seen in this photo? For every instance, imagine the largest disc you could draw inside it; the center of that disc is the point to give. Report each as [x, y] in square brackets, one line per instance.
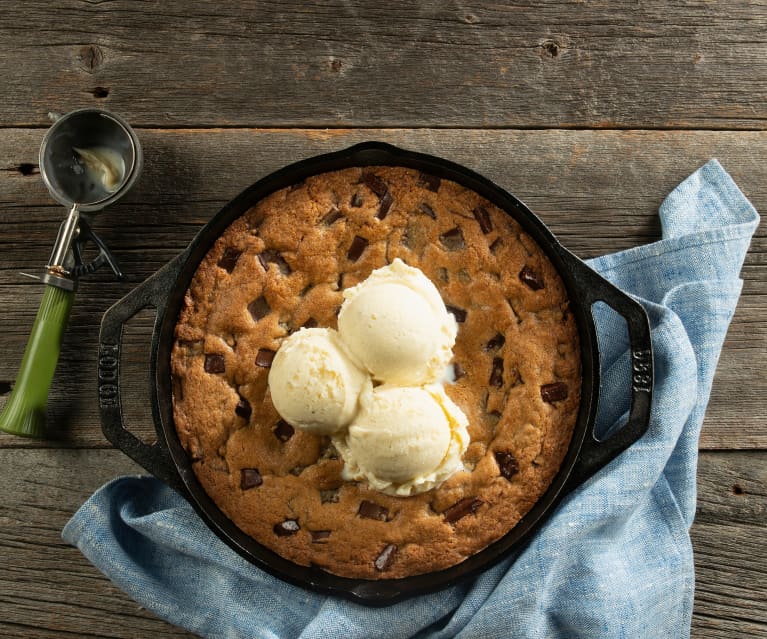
[283, 265]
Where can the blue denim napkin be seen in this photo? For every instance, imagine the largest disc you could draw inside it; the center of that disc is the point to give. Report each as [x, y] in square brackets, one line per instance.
[614, 560]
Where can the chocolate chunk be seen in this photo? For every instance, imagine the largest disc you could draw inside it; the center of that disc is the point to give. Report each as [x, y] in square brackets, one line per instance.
[214, 363]
[358, 245]
[229, 259]
[429, 181]
[319, 535]
[356, 201]
[507, 463]
[264, 357]
[483, 217]
[332, 216]
[493, 417]
[453, 240]
[531, 278]
[495, 245]
[383, 561]
[270, 256]
[374, 183]
[329, 496]
[250, 478]
[554, 392]
[283, 431]
[467, 505]
[496, 375]
[243, 409]
[385, 205]
[259, 308]
[458, 313]
[286, 528]
[371, 510]
[427, 210]
[495, 343]
[458, 371]
[310, 323]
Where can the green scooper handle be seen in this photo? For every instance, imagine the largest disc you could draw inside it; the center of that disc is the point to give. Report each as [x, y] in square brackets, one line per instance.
[24, 412]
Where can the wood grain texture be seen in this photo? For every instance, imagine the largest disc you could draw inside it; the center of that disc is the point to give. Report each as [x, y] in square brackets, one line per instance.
[47, 589]
[597, 190]
[601, 64]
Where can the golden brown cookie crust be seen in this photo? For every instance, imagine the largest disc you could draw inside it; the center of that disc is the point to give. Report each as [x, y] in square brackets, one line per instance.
[283, 265]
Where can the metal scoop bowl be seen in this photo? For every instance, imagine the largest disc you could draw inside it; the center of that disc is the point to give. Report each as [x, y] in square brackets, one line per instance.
[89, 159]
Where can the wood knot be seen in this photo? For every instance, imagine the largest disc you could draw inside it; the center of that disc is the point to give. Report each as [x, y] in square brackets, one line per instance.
[336, 65]
[91, 57]
[100, 92]
[470, 18]
[737, 489]
[27, 168]
[551, 48]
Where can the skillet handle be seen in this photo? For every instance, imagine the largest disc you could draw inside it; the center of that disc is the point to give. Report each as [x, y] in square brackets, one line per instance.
[596, 454]
[152, 293]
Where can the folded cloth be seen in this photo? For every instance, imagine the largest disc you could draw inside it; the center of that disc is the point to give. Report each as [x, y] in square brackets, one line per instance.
[614, 560]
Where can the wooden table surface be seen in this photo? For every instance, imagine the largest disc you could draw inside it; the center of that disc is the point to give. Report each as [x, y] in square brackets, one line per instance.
[590, 112]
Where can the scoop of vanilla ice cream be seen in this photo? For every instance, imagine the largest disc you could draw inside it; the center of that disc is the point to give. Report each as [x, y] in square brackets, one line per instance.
[396, 326]
[404, 440]
[313, 383]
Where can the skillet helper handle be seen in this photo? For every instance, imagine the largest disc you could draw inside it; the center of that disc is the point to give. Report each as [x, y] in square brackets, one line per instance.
[153, 457]
[24, 411]
[596, 454]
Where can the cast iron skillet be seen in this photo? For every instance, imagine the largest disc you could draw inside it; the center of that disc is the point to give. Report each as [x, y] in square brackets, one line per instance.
[167, 460]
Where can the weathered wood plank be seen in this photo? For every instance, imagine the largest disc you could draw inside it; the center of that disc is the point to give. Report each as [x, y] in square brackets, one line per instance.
[598, 191]
[730, 543]
[47, 589]
[599, 64]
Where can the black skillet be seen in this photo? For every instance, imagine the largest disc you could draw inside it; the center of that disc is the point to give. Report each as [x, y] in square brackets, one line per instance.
[168, 461]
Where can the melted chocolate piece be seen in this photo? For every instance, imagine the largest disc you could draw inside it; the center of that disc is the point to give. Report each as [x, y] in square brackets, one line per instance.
[357, 247]
[459, 510]
[507, 464]
[458, 313]
[229, 259]
[286, 528]
[374, 183]
[332, 216]
[259, 308]
[429, 181]
[329, 496]
[555, 392]
[495, 245]
[356, 201]
[283, 431]
[483, 217]
[243, 409]
[384, 560]
[271, 256]
[458, 371]
[264, 357]
[250, 478]
[496, 375]
[453, 240]
[385, 205]
[310, 323]
[371, 510]
[495, 343]
[214, 363]
[319, 535]
[531, 278]
[427, 210]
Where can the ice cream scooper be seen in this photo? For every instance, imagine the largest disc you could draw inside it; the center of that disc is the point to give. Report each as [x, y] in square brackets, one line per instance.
[89, 159]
